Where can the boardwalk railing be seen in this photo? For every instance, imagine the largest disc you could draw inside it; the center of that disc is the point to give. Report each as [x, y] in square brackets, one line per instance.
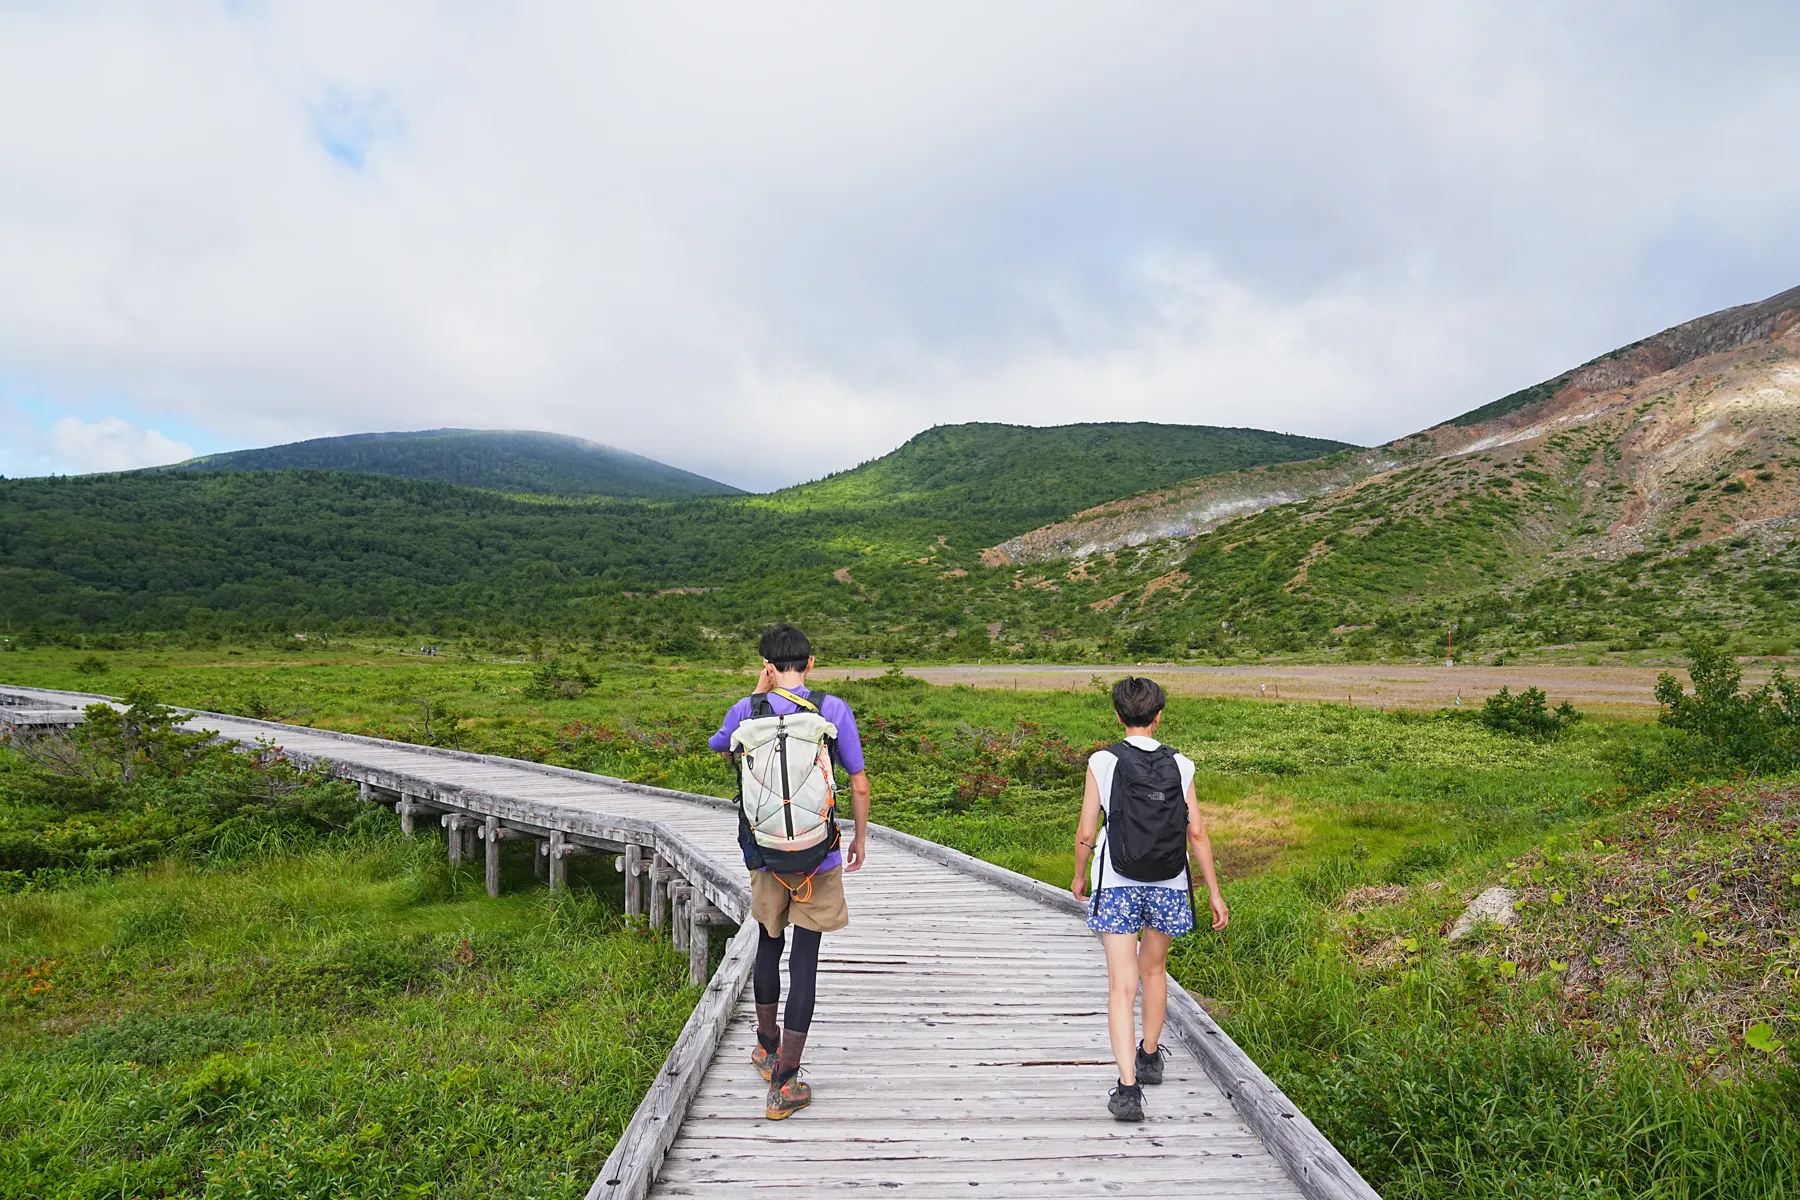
[688, 876]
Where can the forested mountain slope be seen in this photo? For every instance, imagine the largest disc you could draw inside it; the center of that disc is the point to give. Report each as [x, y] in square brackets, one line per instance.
[503, 460]
[162, 550]
[1644, 495]
[986, 476]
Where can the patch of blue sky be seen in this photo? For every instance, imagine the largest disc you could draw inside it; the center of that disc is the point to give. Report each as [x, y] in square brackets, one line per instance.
[28, 418]
[349, 128]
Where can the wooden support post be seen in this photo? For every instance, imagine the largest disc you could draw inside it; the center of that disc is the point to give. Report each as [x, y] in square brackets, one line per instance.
[455, 828]
[491, 832]
[634, 882]
[679, 894]
[404, 806]
[366, 793]
[559, 869]
[540, 857]
[699, 946]
[659, 890]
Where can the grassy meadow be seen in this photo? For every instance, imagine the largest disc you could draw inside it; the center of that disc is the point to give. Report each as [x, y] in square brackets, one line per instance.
[1628, 1037]
[352, 1020]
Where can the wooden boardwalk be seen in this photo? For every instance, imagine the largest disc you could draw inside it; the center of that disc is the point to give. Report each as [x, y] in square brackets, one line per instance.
[959, 1046]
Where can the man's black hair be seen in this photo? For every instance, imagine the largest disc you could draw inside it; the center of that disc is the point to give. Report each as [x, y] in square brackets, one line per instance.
[786, 647]
[1138, 700]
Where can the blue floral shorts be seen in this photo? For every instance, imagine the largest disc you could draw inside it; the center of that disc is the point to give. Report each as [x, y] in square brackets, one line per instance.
[1129, 909]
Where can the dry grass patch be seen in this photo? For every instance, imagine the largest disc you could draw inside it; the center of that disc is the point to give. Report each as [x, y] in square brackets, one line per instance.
[1677, 928]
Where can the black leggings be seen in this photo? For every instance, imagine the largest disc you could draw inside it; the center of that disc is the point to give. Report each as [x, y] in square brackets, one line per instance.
[803, 969]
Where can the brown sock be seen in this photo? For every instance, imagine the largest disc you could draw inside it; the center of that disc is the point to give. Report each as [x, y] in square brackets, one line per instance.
[767, 1032]
[793, 1045]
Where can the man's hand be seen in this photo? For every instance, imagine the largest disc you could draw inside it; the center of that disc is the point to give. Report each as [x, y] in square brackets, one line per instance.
[1078, 886]
[766, 681]
[1221, 914]
[858, 854]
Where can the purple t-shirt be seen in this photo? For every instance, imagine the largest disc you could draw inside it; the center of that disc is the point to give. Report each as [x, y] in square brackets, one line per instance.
[849, 743]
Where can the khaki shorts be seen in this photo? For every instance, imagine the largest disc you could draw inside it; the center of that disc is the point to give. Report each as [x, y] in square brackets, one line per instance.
[774, 906]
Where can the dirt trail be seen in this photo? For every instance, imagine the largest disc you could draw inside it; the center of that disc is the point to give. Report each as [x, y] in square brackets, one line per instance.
[1624, 691]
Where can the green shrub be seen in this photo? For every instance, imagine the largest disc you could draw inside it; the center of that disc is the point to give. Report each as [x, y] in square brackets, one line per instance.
[127, 788]
[558, 679]
[1722, 729]
[1527, 715]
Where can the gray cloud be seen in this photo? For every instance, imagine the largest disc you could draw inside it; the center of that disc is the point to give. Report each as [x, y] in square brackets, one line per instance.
[769, 241]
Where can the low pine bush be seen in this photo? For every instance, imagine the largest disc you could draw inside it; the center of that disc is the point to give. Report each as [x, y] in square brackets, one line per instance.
[129, 787]
[1527, 714]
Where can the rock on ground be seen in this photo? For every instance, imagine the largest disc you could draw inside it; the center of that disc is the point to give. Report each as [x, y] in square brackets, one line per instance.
[1494, 905]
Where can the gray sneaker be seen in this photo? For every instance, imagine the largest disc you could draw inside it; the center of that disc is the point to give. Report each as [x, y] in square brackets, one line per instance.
[1150, 1066]
[1126, 1102]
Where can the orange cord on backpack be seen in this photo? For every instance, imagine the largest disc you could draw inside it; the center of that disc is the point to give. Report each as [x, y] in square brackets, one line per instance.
[794, 892]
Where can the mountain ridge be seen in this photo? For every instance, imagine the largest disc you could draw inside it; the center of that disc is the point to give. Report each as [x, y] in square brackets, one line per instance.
[1595, 391]
[1015, 474]
[161, 549]
[512, 460]
[1612, 519]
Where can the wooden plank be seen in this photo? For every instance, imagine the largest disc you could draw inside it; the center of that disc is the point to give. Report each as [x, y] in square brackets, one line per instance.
[1222, 1172]
[1059, 1150]
[729, 1132]
[633, 1163]
[706, 1110]
[1029, 1189]
[1000, 877]
[1193, 1096]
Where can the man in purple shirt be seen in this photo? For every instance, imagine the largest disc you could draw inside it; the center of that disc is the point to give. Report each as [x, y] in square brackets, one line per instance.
[813, 904]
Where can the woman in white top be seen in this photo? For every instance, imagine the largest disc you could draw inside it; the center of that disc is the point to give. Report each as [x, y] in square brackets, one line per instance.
[1138, 919]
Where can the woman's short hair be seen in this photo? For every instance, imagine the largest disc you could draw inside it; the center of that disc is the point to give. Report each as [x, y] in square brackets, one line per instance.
[1138, 700]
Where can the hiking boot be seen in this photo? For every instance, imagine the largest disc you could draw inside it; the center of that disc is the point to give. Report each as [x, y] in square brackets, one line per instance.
[1150, 1066]
[787, 1097]
[768, 1041]
[1126, 1102]
[763, 1059]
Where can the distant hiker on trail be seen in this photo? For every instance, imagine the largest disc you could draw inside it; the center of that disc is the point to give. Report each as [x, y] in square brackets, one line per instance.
[784, 742]
[1142, 882]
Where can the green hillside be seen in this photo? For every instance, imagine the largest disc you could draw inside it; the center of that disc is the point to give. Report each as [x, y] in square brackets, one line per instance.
[997, 480]
[147, 549]
[503, 460]
[304, 549]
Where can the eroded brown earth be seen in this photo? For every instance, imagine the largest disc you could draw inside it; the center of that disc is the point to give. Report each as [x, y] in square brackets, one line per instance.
[1621, 691]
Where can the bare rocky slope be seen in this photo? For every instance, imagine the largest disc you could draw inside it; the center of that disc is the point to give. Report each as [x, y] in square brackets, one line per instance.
[1684, 438]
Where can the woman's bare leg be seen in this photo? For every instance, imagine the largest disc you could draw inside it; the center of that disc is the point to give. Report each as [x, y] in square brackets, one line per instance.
[1121, 996]
[1153, 969]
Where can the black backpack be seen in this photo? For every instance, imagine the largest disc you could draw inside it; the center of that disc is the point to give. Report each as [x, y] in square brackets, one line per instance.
[1146, 815]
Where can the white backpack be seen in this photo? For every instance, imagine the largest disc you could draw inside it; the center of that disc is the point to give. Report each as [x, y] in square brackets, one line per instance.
[787, 794]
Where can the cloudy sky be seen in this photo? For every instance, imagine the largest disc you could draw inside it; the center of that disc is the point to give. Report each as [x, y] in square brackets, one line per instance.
[766, 241]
